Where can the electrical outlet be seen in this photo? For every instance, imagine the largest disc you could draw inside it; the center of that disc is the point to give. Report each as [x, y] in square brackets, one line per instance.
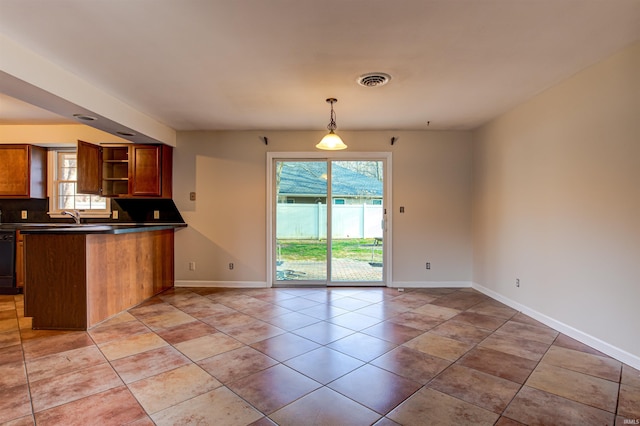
[428, 265]
[517, 282]
[231, 266]
[192, 266]
[192, 196]
[156, 214]
[114, 214]
[23, 214]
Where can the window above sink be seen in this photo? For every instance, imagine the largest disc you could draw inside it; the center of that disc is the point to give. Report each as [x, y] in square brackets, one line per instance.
[63, 193]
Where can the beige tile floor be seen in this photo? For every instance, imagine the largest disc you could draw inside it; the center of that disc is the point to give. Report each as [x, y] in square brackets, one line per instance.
[310, 356]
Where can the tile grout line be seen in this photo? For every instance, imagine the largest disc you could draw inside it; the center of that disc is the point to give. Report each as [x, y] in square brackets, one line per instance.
[24, 360]
[125, 384]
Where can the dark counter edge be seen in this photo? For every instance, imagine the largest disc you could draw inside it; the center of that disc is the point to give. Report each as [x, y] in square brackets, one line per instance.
[99, 229]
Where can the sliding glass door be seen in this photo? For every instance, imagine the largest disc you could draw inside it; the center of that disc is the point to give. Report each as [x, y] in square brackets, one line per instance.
[329, 222]
[301, 221]
[357, 221]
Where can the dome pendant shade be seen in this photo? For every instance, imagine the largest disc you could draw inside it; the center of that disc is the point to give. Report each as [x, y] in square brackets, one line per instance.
[331, 141]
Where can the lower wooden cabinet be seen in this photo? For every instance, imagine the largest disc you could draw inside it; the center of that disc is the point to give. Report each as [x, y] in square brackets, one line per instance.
[19, 272]
[75, 281]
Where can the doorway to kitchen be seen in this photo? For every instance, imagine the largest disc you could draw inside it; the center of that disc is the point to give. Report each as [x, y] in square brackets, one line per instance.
[328, 221]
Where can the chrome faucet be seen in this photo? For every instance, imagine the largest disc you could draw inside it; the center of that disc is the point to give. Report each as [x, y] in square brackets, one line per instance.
[75, 214]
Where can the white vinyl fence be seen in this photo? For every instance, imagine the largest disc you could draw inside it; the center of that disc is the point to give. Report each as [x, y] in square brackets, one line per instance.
[309, 221]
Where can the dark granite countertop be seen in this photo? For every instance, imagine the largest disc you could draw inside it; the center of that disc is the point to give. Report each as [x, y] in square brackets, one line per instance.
[91, 228]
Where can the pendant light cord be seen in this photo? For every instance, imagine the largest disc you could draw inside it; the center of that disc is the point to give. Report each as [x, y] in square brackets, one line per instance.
[332, 124]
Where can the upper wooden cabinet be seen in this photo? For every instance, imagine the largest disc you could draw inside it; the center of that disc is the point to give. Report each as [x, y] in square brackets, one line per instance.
[89, 168]
[23, 171]
[150, 171]
[125, 170]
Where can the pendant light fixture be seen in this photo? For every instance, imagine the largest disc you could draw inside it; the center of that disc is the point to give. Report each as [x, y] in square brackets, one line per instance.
[331, 141]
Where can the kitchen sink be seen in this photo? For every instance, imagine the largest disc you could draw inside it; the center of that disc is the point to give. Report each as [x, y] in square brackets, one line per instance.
[84, 228]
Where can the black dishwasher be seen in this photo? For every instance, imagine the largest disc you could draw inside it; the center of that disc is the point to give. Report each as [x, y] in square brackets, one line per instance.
[8, 262]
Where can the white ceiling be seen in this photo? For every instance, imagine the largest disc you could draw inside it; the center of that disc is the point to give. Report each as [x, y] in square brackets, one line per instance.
[270, 64]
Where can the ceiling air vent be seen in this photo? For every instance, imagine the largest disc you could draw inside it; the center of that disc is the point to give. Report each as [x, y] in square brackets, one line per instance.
[374, 79]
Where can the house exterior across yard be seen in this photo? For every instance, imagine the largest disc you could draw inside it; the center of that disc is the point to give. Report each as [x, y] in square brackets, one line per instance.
[302, 182]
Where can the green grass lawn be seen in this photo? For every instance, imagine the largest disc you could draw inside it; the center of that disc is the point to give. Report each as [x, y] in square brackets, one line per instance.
[316, 250]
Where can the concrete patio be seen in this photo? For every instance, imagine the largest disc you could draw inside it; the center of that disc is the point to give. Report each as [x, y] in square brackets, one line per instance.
[347, 270]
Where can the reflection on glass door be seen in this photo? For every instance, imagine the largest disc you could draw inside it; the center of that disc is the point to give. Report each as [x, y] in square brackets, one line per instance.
[357, 221]
[339, 243]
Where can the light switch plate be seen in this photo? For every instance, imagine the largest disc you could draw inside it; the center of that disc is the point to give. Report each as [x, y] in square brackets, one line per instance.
[192, 196]
[156, 214]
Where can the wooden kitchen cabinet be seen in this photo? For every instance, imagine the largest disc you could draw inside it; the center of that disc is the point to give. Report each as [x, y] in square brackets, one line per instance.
[115, 170]
[119, 170]
[23, 171]
[150, 171]
[89, 168]
[19, 260]
[99, 275]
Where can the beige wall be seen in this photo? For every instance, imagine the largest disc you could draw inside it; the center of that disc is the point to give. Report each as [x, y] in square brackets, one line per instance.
[227, 223]
[556, 203]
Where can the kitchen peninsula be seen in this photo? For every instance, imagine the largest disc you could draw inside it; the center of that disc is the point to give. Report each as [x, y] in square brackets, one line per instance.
[78, 276]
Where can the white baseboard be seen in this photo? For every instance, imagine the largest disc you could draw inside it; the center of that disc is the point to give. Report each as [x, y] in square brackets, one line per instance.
[221, 284]
[430, 284]
[263, 284]
[604, 347]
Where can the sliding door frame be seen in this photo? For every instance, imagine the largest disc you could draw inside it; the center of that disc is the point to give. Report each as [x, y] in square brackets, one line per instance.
[328, 156]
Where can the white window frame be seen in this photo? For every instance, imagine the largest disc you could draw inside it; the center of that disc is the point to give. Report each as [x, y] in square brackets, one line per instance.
[52, 190]
[329, 156]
